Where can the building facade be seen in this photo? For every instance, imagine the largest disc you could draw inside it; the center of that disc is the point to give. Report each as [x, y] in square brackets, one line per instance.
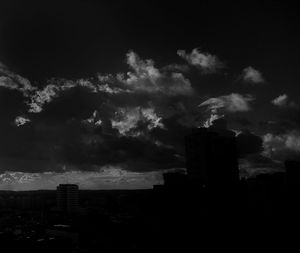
[67, 197]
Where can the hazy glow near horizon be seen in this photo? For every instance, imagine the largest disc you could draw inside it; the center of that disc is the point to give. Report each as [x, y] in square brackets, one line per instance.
[104, 178]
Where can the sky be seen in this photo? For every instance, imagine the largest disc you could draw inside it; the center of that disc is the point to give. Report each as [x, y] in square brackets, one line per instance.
[101, 93]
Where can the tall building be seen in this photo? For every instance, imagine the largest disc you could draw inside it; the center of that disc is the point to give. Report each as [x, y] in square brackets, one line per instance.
[67, 197]
[211, 157]
[293, 172]
[293, 179]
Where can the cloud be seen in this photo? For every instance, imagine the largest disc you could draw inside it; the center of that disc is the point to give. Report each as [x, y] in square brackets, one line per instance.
[53, 89]
[41, 97]
[255, 164]
[128, 119]
[13, 81]
[253, 158]
[252, 76]
[176, 68]
[206, 62]
[147, 78]
[209, 121]
[94, 119]
[81, 128]
[282, 146]
[231, 103]
[283, 101]
[240, 121]
[31, 161]
[144, 78]
[20, 121]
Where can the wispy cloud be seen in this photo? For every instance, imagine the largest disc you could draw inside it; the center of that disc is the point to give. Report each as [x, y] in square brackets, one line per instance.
[13, 81]
[233, 102]
[217, 107]
[283, 101]
[206, 62]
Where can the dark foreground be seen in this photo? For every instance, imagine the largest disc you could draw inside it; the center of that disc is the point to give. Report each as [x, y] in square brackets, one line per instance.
[262, 215]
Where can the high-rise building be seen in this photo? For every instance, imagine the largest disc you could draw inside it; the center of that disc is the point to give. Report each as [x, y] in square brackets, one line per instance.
[211, 157]
[293, 178]
[293, 171]
[67, 197]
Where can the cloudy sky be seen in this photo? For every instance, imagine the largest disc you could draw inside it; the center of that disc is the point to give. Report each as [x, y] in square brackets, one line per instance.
[101, 93]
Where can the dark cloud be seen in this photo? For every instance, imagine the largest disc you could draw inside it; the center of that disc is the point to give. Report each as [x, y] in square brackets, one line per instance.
[255, 164]
[44, 146]
[290, 115]
[129, 152]
[285, 119]
[75, 103]
[242, 121]
[12, 104]
[282, 146]
[248, 143]
[253, 156]
[120, 120]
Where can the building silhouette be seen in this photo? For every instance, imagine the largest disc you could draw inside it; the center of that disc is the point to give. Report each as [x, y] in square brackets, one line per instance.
[211, 185]
[67, 197]
[293, 187]
[175, 179]
[211, 157]
[293, 172]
